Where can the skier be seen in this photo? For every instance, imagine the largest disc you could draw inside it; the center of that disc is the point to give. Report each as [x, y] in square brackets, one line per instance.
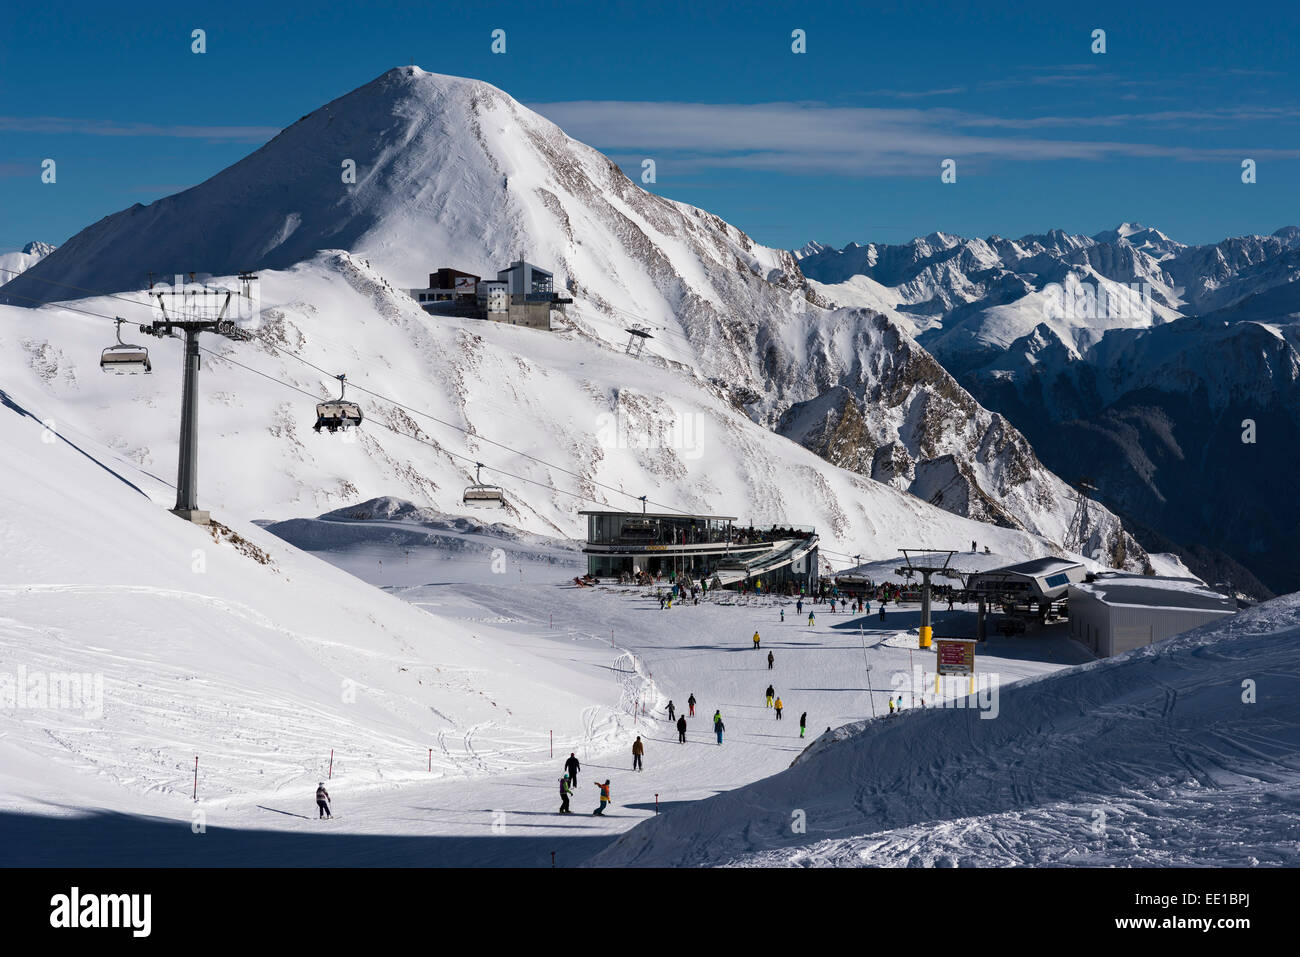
[798, 606]
[770, 661]
[572, 767]
[756, 640]
[882, 611]
[323, 801]
[771, 693]
[779, 706]
[565, 790]
[681, 730]
[718, 728]
[691, 701]
[950, 602]
[812, 621]
[783, 614]
[661, 601]
[604, 796]
[670, 710]
[638, 751]
[803, 723]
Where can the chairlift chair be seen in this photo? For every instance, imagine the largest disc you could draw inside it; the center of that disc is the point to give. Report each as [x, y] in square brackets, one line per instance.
[125, 358]
[338, 414]
[484, 496]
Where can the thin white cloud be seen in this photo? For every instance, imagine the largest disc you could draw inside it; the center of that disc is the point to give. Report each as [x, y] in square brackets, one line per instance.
[801, 137]
[61, 124]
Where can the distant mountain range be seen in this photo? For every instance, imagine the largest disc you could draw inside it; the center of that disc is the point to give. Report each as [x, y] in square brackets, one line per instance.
[1127, 358]
[11, 264]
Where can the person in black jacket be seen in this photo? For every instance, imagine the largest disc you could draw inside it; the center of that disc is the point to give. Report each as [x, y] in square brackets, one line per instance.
[572, 767]
[681, 730]
[671, 711]
[323, 800]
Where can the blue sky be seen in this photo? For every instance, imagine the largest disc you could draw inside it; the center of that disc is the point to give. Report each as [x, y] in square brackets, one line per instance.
[841, 143]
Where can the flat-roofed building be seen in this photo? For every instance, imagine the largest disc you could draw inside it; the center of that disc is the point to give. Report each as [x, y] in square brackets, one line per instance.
[1114, 612]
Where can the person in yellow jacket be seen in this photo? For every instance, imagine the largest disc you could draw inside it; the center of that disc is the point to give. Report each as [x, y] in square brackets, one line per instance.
[756, 640]
[779, 706]
[604, 796]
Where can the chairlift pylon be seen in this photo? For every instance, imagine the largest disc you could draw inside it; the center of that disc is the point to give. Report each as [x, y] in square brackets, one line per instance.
[124, 358]
[486, 496]
[338, 414]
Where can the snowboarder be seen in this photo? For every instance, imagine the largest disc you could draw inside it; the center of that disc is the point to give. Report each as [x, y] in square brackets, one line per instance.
[756, 640]
[803, 723]
[565, 790]
[718, 728]
[638, 751]
[783, 614]
[322, 801]
[670, 710]
[771, 660]
[691, 702]
[779, 706]
[571, 768]
[771, 693]
[604, 796]
[681, 730]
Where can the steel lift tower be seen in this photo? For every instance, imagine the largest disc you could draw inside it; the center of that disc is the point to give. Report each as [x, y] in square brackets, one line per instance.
[190, 313]
[926, 569]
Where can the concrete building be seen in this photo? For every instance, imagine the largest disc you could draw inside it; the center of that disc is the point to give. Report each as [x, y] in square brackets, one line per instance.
[521, 295]
[1114, 612]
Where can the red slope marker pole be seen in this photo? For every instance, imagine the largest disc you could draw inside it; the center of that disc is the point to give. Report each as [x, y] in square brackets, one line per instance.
[656, 802]
[552, 744]
[431, 760]
[331, 774]
[196, 777]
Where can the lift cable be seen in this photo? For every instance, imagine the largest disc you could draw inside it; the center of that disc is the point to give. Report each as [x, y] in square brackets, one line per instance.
[377, 395]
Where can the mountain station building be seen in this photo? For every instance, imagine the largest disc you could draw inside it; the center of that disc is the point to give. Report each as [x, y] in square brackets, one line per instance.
[521, 295]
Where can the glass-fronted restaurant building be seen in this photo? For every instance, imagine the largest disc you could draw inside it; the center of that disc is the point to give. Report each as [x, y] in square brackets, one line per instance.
[671, 543]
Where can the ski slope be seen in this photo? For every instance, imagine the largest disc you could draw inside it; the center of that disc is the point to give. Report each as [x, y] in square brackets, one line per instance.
[437, 693]
[1183, 753]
